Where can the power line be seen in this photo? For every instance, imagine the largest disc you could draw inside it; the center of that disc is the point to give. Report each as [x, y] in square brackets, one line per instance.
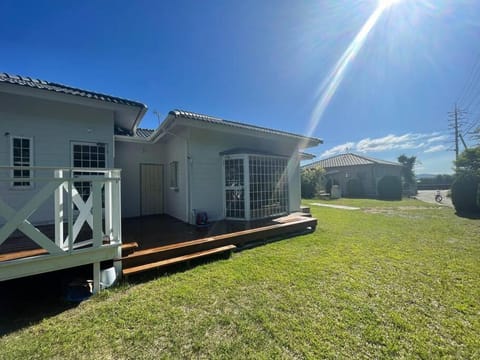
[472, 82]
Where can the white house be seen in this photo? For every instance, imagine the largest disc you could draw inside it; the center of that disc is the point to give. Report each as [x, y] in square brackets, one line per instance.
[191, 162]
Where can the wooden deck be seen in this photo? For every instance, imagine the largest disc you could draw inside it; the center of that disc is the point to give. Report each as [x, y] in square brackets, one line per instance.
[158, 241]
[150, 257]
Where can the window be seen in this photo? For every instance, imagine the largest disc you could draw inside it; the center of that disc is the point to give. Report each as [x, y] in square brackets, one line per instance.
[256, 186]
[234, 189]
[268, 186]
[173, 175]
[22, 156]
[88, 156]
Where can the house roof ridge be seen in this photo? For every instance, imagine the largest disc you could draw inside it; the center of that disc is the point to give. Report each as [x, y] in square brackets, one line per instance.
[65, 89]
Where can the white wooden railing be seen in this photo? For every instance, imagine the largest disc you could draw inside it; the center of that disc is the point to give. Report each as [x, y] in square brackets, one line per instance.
[101, 210]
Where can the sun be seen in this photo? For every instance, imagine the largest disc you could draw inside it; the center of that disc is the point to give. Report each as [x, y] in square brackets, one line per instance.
[384, 4]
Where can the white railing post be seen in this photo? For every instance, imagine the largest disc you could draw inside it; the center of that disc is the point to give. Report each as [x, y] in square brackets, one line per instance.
[59, 211]
[109, 211]
[117, 206]
[97, 212]
[70, 212]
[117, 218]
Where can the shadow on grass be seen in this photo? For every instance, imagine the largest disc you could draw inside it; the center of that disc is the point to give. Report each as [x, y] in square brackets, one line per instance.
[27, 301]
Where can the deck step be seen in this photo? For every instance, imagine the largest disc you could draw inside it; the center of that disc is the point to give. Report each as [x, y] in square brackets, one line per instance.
[237, 238]
[176, 260]
[240, 238]
[128, 248]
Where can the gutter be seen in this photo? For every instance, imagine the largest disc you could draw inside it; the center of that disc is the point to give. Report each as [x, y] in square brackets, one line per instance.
[139, 117]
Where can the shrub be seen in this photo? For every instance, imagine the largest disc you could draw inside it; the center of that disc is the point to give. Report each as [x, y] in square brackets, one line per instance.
[312, 180]
[354, 187]
[389, 188]
[465, 191]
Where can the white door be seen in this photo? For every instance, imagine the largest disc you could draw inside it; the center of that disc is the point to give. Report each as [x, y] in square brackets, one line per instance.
[151, 178]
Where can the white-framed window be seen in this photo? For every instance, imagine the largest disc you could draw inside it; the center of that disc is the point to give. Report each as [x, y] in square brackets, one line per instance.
[268, 186]
[234, 188]
[21, 156]
[87, 156]
[255, 186]
[173, 175]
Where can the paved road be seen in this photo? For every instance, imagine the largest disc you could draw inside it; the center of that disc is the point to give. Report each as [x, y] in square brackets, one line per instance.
[429, 196]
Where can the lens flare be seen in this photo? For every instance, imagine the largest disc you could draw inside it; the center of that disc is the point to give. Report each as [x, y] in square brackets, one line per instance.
[387, 3]
[331, 83]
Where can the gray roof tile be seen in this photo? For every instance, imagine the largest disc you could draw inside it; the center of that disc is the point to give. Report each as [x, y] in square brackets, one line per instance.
[215, 120]
[64, 89]
[144, 133]
[349, 159]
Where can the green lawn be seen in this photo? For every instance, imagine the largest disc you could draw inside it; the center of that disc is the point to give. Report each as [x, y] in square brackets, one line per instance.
[395, 279]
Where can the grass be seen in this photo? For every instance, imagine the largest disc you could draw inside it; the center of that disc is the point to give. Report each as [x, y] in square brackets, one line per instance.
[393, 280]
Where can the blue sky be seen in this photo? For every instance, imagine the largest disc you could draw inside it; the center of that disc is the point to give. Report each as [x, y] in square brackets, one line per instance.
[264, 62]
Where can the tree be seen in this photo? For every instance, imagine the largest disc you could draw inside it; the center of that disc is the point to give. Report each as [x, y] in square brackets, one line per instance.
[469, 162]
[466, 187]
[312, 181]
[408, 163]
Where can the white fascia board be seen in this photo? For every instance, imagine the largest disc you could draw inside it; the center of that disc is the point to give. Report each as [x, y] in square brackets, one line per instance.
[132, 139]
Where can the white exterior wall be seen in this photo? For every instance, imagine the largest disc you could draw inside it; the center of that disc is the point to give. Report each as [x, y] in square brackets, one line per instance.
[176, 199]
[206, 166]
[294, 183]
[128, 157]
[53, 126]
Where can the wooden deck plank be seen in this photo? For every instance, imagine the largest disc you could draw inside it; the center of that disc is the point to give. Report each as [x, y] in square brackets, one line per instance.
[130, 245]
[22, 254]
[242, 236]
[176, 260]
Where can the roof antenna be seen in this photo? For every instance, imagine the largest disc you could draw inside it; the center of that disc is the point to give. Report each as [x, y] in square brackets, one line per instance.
[157, 114]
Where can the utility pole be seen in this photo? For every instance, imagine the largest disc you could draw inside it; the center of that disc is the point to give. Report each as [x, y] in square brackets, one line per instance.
[456, 118]
[456, 132]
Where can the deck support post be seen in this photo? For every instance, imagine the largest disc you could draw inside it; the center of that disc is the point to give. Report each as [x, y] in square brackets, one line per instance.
[96, 277]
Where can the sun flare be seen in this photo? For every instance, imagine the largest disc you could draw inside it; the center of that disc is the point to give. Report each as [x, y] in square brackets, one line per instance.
[387, 3]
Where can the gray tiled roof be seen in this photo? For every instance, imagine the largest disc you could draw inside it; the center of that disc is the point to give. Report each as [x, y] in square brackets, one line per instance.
[59, 88]
[349, 159]
[144, 133]
[215, 120]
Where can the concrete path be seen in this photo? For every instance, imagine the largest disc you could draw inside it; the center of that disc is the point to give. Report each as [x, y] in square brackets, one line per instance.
[336, 206]
[429, 197]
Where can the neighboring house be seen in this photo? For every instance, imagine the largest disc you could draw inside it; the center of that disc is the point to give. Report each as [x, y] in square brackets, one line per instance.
[191, 163]
[368, 170]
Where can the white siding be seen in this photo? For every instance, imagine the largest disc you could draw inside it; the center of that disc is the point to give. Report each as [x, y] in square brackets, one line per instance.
[52, 126]
[128, 157]
[206, 167]
[176, 199]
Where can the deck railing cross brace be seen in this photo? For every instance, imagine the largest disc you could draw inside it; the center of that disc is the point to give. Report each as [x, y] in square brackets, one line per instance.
[19, 219]
[84, 213]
